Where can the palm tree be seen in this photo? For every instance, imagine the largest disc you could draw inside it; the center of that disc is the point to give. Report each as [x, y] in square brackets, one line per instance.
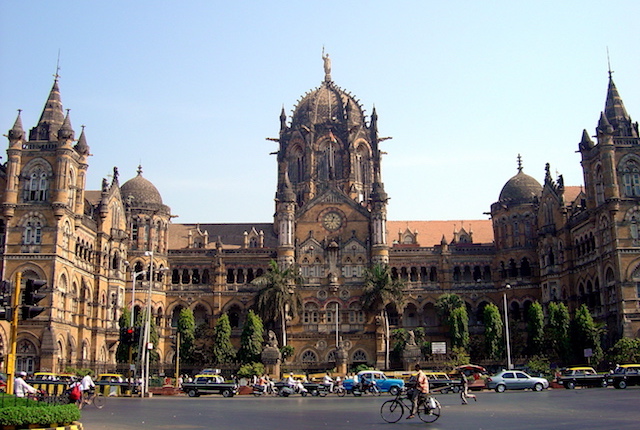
[380, 290]
[279, 295]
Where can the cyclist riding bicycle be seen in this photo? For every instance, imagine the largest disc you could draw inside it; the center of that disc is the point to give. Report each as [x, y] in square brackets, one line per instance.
[421, 389]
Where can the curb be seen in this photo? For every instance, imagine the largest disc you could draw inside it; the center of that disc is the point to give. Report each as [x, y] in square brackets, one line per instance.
[75, 426]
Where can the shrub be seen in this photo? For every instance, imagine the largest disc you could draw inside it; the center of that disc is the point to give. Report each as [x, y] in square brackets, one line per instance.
[42, 415]
[250, 369]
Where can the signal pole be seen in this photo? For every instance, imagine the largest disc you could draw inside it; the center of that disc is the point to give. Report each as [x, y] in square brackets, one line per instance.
[11, 358]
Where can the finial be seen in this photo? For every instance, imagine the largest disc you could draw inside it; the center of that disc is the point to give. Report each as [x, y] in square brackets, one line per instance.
[139, 169]
[519, 163]
[609, 63]
[57, 75]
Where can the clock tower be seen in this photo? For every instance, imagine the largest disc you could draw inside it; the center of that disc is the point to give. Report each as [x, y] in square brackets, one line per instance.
[330, 204]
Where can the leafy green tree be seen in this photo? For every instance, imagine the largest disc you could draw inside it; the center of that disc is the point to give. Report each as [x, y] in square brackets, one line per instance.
[141, 322]
[248, 370]
[203, 345]
[459, 327]
[287, 351]
[186, 328]
[539, 365]
[535, 328]
[446, 303]
[626, 350]
[453, 312]
[279, 296]
[222, 350]
[122, 353]
[493, 331]
[586, 334]
[458, 356]
[557, 332]
[251, 339]
[379, 290]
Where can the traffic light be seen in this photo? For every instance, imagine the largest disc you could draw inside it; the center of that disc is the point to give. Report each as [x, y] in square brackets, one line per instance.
[127, 335]
[31, 298]
[6, 311]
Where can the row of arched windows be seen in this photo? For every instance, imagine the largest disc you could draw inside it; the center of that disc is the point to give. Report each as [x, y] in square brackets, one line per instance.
[585, 245]
[193, 276]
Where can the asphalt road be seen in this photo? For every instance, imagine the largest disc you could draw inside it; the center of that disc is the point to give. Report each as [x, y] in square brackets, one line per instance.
[595, 408]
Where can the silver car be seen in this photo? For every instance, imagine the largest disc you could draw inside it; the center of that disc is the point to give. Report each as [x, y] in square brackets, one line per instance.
[515, 380]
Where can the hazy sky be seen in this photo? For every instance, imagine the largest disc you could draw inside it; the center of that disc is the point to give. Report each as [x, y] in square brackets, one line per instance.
[191, 89]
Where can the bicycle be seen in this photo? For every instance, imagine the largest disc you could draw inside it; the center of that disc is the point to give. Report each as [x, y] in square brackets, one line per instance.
[393, 410]
[94, 398]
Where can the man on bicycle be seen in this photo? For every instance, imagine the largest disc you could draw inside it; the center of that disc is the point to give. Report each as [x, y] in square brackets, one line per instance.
[86, 386]
[421, 389]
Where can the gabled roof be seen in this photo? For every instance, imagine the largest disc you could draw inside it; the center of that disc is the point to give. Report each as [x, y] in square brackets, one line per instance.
[430, 233]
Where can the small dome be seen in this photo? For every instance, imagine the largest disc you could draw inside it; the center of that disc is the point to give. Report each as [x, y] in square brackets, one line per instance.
[521, 188]
[142, 191]
[327, 104]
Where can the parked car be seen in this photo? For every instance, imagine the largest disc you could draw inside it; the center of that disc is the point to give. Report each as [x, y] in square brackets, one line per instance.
[625, 375]
[583, 377]
[390, 385]
[515, 380]
[209, 384]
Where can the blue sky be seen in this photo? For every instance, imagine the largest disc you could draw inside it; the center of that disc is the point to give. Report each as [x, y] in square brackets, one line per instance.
[191, 89]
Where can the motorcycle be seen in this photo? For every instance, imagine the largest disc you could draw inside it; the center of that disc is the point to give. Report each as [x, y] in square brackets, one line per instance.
[262, 390]
[365, 387]
[338, 390]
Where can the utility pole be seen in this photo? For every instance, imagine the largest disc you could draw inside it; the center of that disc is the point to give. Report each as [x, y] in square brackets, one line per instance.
[177, 385]
[11, 358]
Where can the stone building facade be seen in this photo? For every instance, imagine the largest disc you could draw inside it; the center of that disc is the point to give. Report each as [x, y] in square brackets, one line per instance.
[543, 242]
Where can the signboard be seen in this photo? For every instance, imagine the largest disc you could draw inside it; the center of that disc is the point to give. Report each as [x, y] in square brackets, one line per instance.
[438, 347]
[588, 352]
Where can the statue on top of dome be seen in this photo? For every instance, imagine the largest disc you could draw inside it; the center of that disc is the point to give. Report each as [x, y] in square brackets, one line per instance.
[327, 65]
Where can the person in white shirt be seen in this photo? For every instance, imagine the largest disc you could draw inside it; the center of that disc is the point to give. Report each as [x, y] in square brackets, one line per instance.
[20, 387]
[86, 385]
[328, 382]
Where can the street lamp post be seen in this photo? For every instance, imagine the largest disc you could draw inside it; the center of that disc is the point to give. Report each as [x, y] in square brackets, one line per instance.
[147, 330]
[134, 275]
[506, 327]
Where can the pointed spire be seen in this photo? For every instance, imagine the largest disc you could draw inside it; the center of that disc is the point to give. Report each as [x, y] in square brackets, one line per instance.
[81, 147]
[585, 143]
[604, 126]
[17, 132]
[283, 120]
[616, 113]
[66, 131]
[52, 116]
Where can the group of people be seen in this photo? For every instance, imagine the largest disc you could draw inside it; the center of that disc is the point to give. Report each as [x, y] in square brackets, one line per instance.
[264, 383]
[421, 390]
[22, 388]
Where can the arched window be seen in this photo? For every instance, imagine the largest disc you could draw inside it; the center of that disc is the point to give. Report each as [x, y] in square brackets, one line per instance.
[599, 185]
[631, 179]
[32, 234]
[310, 314]
[309, 357]
[36, 184]
[359, 357]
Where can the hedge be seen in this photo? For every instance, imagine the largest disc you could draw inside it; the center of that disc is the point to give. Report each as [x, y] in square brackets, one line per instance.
[43, 415]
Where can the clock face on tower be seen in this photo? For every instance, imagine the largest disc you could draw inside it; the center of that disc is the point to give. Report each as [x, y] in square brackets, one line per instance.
[332, 221]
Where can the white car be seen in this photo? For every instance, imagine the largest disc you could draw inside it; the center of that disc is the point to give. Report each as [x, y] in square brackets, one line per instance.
[515, 380]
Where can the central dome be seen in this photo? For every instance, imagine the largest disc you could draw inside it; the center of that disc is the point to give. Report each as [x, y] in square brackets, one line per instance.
[327, 104]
